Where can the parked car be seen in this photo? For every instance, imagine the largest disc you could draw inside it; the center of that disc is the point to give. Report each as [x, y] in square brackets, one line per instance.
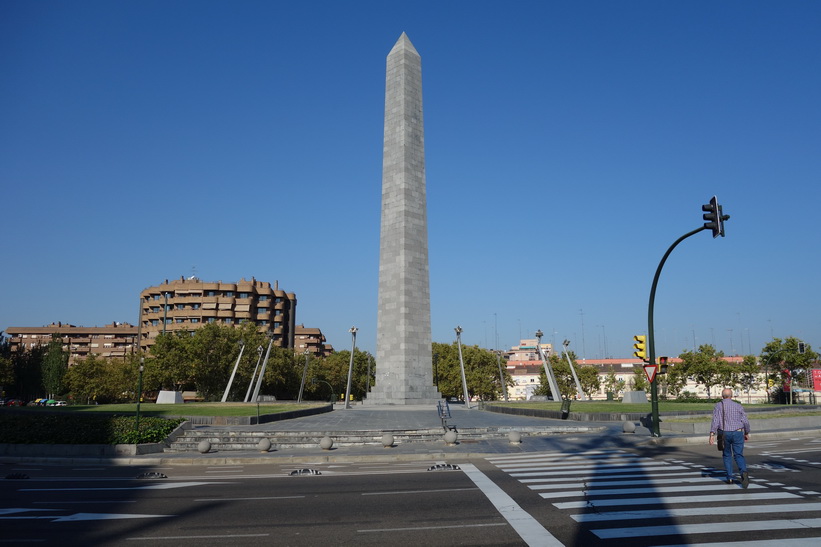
[14, 402]
[60, 403]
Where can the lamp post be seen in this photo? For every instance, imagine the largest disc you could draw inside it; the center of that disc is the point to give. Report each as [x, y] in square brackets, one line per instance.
[573, 371]
[548, 370]
[306, 353]
[352, 330]
[315, 381]
[139, 393]
[254, 375]
[458, 330]
[767, 373]
[501, 375]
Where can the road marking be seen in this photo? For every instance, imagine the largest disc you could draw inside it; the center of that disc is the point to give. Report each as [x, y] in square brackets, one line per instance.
[596, 476]
[609, 469]
[528, 528]
[712, 528]
[252, 499]
[158, 486]
[796, 542]
[407, 529]
[652, 491]
[415, 491]
[227, 536]
[675, 499]
[598, 484]
[695, 511]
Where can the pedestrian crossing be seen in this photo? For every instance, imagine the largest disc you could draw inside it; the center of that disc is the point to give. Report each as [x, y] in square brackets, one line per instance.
[623, 498]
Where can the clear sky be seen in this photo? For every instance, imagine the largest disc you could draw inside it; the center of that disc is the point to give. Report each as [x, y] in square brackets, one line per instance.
[568, 145]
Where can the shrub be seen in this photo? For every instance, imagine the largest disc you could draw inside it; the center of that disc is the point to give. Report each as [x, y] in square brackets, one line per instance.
[58, 428]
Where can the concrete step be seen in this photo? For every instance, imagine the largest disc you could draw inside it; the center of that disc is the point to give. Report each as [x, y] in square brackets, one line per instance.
[231, 440]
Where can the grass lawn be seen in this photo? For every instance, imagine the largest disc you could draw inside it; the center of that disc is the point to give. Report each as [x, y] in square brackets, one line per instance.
[186, 409]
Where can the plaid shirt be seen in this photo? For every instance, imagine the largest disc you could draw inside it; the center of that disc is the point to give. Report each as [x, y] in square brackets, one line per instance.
[733, 417]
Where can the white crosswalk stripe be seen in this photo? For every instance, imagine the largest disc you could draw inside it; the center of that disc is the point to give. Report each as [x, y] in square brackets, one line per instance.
[619, 496]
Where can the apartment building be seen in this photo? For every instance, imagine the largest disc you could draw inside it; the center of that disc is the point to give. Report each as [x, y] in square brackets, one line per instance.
[312, 340]
[189, 303]
[113, 340]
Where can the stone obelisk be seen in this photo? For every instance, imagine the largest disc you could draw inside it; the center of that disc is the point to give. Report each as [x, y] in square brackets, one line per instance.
[403, 336]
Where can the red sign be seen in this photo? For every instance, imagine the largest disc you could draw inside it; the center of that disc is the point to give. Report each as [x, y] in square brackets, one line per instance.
[816, 379]
[650, 371]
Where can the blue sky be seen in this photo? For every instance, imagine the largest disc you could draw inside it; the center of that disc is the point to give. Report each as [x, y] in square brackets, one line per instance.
[568, 145]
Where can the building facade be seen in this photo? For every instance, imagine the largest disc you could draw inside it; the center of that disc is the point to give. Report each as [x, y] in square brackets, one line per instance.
[115, 340]
[189, 303]
[311, 340]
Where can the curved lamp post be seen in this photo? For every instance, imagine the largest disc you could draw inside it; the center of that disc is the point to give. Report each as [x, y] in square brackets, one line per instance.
[306, 353]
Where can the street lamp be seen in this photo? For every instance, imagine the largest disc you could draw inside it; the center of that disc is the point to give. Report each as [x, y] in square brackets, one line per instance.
[548, 370]
[139, 393]
[352, 330]
[458, 330]
[306, 353]
[254, 375]
[316, 381]
[573, 371]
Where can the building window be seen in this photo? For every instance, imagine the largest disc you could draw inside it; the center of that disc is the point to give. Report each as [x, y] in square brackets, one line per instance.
[180, 306]
[263, 298]
[228, 321]
[155, 322]
[278, 300]
[155, 309]
[263, 323]
[262, 310]
[195, 306]
[180, 321]
[244, 295]
[211, 319]
[277, 324]
[195, 320]
[229, 293]
[210, 293]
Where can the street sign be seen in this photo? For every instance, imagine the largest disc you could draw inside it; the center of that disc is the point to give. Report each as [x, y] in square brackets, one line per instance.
[650, 371]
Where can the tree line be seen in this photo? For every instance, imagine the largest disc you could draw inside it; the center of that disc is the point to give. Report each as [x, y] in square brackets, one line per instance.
[203, 360]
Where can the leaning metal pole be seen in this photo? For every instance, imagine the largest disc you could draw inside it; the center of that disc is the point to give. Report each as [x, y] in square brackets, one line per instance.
[262, 372]
[352, 330]
[233, 373]
[651, 338]
[458, 330]
[573, 371]
[253, 376]
[304, 376]
[548, 369]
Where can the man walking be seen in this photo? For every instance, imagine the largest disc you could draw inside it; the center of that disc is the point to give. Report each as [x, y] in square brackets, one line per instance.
[729, 417]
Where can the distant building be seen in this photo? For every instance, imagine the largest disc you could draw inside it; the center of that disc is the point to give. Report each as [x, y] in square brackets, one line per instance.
[189, 303]
[312, 340]
[115, 340]
[524, 366]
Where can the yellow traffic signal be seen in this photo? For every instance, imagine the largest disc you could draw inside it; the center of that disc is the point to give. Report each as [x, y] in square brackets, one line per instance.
[640, 346]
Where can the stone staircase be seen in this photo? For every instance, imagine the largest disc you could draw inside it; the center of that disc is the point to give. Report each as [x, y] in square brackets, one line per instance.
[225, 440]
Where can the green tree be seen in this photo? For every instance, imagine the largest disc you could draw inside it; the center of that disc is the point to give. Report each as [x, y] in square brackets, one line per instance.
[639, 380]
[749, 373]
[589, 379]
[55, 365]
[481, 372]
[783, 361]
[703, 366]
[563, 375]
[674, 381]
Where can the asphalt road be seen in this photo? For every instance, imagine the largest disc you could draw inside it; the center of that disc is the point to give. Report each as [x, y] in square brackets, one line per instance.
[576, 496]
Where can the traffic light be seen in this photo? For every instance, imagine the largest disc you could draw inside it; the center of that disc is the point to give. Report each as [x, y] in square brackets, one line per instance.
[640, 346]
[801, 348]
[714, 217]
[662, 365]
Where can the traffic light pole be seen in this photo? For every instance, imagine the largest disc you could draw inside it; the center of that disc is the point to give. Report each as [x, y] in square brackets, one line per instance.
[651, 337]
